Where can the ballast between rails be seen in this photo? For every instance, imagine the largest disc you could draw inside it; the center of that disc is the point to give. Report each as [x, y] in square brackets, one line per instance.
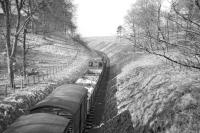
[65, 110]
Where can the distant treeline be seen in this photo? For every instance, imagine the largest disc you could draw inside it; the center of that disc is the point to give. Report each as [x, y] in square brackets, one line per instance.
[46, 15]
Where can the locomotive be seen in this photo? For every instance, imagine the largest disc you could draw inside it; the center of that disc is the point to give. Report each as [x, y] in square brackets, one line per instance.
[65, 110]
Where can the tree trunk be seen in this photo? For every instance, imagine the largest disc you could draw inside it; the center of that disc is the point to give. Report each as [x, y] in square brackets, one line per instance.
[158, 22]
[14, 47]
[10, 72]
[168, 32]
[24, 54]
[8, 45]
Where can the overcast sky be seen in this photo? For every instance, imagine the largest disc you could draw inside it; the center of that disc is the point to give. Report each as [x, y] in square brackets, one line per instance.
[100, 17]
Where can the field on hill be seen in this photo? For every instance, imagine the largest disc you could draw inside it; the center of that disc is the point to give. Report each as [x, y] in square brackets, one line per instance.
[57, 60]
[161, 97]
[45, 55]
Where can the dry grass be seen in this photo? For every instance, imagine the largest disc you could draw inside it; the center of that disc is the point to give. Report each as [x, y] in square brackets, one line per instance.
[161, 98]
[46, 53]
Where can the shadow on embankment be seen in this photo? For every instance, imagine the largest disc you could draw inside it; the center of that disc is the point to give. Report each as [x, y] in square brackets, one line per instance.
[106, 106]
[111, 109]
[111, 101]
[114, 122]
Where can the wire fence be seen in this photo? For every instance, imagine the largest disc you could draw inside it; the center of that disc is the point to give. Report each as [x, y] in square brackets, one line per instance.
[28, 80]
[42, 75]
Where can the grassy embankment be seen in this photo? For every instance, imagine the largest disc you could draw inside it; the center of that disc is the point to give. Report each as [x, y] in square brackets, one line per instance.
[160, 97]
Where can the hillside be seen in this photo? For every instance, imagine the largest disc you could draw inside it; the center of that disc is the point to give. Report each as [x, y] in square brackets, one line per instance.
[56, 59]
[161, 97]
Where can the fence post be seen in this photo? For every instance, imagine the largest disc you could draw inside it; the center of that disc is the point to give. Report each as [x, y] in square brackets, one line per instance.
[50, 76]
[33, 79]
[43, 76]
[6, 90]
[24, 79]
[38, 78]
[21, 83]
[53, 70]
[28, 80]
[47, 73]
[14, 86]
[50, 72]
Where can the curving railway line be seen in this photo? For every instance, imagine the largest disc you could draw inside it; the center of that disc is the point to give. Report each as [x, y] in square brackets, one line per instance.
[70, 108]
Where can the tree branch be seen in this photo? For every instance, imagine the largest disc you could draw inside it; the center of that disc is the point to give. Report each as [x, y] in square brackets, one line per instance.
[197, 3]
[187, 19]
[172, 60]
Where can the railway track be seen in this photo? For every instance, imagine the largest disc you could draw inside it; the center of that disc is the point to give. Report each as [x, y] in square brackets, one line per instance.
[94, 118]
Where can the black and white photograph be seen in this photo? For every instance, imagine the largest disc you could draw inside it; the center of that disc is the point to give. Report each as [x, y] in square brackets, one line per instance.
[99, 66]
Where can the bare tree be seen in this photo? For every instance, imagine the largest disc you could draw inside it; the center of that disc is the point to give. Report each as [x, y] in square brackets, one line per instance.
[6, 6]
[25, 12]
[119, 31]
[11, 48]
[176, 30]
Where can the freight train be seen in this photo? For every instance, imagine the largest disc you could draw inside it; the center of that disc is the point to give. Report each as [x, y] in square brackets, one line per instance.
[65, 110]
